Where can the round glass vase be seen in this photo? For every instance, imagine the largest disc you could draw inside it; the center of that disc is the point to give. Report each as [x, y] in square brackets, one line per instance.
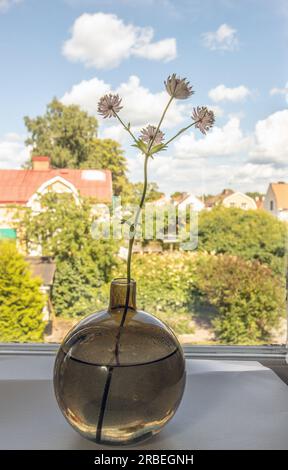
[119, 374]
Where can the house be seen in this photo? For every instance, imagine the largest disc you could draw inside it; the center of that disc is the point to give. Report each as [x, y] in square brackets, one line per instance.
[230, 198]
[162, 201]
[24, 187]
[189, 200]
[276, 200]
[44, 268]
[239, 200]
[213, 201]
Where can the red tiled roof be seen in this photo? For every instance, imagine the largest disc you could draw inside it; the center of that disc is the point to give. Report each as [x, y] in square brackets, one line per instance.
[17, 186]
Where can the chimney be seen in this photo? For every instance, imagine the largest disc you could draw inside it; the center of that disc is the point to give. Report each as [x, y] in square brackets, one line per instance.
[40, 163]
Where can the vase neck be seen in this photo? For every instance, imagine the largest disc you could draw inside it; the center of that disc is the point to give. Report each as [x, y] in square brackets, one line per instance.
[119, 290]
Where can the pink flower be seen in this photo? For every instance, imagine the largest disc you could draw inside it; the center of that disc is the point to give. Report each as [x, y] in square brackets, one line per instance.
[148, 134]
[178, 87]
[204, 118]
[109, 105]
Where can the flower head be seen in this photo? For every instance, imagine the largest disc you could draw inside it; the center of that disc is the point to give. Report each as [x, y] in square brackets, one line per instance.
[178, 87]
[204, 118]
[148, 135]
[109, 105]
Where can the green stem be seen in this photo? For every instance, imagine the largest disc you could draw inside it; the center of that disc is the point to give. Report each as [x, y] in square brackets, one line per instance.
[133, 227]
[181, 132]
[126, 127]
[160, 122]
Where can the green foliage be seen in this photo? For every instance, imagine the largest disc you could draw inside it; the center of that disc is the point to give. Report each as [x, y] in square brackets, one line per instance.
[252, 235]
[254, 194]
[177, 195]
[83, 264]
[65, 133]
[21, 301]
[108, 154]
[248, 297]
[69, 136]
[153, 192]
[76, 287]
[163, 284]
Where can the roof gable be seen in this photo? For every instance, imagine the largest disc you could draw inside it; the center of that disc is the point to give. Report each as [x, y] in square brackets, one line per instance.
[242, 196]
[280, 191]
[18, 186]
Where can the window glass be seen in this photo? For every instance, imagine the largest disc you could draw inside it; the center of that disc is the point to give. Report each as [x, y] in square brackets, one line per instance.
[211, 247]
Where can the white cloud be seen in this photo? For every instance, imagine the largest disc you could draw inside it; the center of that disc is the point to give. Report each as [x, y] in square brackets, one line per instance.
[226, 157]
[250, 161]
[223, 93]
[87, 94]
[225, 39]
[251, 174]
[103, 41]
[13, 152]
[202, 176]
[217, 110]
[220, 142]
[6, 4]
[117, 133]
[280, 91]
[140, 105]
[271, 138]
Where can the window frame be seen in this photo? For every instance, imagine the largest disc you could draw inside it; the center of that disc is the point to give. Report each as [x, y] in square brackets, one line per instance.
[247, 353]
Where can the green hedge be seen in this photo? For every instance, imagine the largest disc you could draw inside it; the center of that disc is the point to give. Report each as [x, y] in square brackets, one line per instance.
[21, 301]
[245, 297]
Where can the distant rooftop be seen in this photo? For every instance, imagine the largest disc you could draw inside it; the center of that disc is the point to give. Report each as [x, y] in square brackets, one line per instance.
[17, 186]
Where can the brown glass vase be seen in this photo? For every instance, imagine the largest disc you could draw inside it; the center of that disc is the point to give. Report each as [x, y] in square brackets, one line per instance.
[119, 374]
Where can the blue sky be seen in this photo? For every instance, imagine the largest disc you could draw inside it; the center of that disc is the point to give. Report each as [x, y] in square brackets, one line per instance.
[233, 52]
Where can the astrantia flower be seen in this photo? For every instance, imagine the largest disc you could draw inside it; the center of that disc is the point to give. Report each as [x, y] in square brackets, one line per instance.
[109, 105]
[178, 87]
[205, 118]
[148, 134]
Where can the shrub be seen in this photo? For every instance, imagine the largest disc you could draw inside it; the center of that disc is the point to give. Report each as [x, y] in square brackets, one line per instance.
[21, 301]
[163, 284]
[248, 297]
[252, 235]
[83, 264]
[76, 288]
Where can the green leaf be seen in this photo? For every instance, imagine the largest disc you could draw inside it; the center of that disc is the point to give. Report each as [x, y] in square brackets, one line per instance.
[141, 146]
[158, 148]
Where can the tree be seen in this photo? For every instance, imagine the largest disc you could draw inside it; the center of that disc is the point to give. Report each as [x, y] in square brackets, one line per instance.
[255, 194]
[64, 133]
[107, 153]
[177, 195]
[83, 264]
[248, 297]
[21, 301]
[69, 136]
[153, 192]
[253, 235]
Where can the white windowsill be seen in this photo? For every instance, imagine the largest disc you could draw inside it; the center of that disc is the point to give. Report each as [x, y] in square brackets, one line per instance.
[228, 404]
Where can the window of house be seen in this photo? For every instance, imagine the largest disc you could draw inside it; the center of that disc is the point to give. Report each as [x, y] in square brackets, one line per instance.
[271, 205]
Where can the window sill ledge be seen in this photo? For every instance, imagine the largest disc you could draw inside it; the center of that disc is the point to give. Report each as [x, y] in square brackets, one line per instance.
[228, 404]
